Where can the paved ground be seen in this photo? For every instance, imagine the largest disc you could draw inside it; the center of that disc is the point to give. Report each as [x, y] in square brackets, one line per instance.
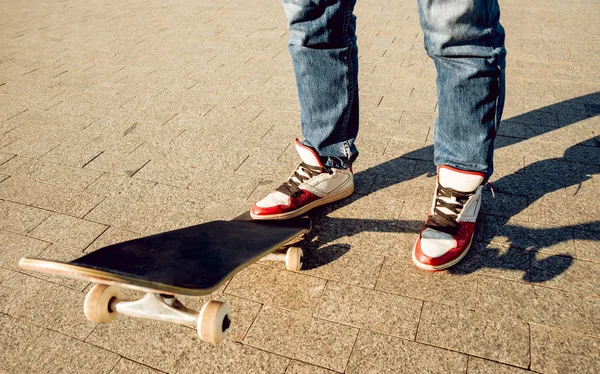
[125, 118]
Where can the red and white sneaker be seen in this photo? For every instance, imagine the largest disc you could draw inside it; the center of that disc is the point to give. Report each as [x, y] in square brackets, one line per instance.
[447, 234]
[311, 185]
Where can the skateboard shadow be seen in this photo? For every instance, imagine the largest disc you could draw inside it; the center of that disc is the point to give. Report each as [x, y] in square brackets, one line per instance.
[541, 252]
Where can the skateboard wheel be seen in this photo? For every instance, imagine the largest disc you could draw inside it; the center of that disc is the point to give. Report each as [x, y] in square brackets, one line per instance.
[214, 322]
[97, 303]
[293, 259]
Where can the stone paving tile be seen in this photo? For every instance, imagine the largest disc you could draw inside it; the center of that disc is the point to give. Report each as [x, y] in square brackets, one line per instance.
[342, 264]
[593, 316]
[480, 366]
[541, 305]
[559, 351]
[399, 276]
[111, 236]
[125, 366]
[4, 157]
[47, 304]
[228, 357]
[15, 337]
[20, 218]
[68, 231]
[302, 337]
[566, 273]
[70, 356]
[55, 198]
[498, 261]
[371, 310]
[297, 367]
[377, 353]
[493, 337]
[53, 173]
[587, 245]
[158, 346]
[15, 246]
[123, 214]
[282, 288]
[118, 163]
[119, 186]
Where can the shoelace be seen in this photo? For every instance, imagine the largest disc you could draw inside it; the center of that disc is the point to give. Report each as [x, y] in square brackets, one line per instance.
[453, 201]
[303, 173]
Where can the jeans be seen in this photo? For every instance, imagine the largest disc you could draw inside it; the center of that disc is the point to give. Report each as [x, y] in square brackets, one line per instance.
[463, 37]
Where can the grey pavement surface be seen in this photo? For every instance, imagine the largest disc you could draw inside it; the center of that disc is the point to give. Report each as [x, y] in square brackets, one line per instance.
[125, 118]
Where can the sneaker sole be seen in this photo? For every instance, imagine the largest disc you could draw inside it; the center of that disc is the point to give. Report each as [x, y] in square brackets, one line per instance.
[302, 210]
[443, 266]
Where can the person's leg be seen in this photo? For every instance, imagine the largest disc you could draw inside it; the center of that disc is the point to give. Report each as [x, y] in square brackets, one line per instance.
[466, 42]
[322, 44]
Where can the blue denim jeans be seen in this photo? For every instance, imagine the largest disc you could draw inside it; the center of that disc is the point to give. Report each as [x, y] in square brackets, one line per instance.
[463, 37]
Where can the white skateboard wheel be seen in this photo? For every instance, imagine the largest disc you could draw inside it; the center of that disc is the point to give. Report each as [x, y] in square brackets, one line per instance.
[293, 259]
[97, 303]
[214, 322]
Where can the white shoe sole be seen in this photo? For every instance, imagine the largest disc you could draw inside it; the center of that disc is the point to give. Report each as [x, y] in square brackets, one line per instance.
[300, 211]
[440, 267]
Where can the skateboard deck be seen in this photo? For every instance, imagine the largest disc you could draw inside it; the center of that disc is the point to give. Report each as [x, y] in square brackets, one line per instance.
[192, 261]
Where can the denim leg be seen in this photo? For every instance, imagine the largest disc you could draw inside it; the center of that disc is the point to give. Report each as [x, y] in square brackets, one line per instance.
[322, 43]
[466, 42]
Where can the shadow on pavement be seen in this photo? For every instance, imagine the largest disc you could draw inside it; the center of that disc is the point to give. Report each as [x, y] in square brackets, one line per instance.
[543, 177]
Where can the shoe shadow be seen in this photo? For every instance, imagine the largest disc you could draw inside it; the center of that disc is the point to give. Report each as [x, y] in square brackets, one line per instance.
[531, 183]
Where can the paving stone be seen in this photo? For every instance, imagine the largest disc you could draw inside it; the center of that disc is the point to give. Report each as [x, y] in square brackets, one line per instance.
[264, 284]
[565, 273]
[587, 245]
[593, 316]
[302, 337]
[158, 346]
[377, 353]
[69, 356]
[123, 214]
[55, 198]
[111, 236]
[4, 157]
[20, 218]
[399, 276]
[297, 367]
[125, 366]
[15, 337]
[493, 337]
[56, 174]
[371, 310]
[68, 231]
[228, 357]
[495, 260]
[559, 351]
[480, 366]
[342, 264]
[15, 246]
[118, 163]
[43, 303]
[119, 186]
[30, 148]
[540, 305]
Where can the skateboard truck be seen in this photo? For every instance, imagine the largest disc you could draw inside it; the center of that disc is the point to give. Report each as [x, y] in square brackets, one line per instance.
[103, 303]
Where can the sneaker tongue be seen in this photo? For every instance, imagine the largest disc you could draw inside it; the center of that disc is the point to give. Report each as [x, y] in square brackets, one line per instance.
[463, 181]
[308, 155]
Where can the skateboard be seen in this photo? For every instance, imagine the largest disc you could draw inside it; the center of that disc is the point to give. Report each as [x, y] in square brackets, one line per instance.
[192, 261]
